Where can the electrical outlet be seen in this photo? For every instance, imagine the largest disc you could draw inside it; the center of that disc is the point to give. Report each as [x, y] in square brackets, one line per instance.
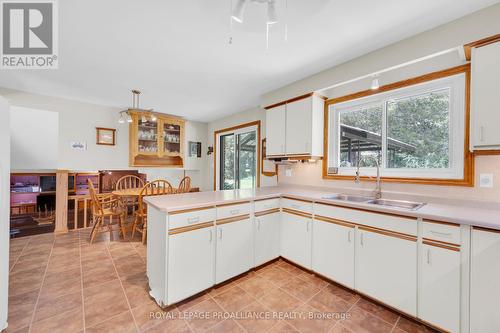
[288, 172]
[486, 180]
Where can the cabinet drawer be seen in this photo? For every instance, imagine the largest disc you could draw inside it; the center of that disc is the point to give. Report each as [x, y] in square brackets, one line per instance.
[263, 205]
[231, 210]
[301, 206]
[442, 232]
[396, 223]
[179, 220]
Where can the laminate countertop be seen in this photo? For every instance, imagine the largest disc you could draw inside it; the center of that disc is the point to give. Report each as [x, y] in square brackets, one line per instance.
[453, 213]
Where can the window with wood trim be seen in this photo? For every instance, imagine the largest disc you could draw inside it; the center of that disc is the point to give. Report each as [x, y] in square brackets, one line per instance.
[416, 130]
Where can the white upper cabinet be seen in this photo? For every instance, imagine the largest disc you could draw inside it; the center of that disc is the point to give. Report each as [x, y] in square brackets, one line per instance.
[300, 131]
[275, 131]
[485, 97]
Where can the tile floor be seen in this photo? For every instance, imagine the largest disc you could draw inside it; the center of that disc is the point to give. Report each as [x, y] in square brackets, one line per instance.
[64, 284]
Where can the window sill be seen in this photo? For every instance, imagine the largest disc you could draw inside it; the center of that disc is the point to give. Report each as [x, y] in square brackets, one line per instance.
[467, 181]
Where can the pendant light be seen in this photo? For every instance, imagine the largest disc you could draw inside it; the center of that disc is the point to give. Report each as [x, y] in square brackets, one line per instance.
[238, 10]
[272, 16]
[375, 84]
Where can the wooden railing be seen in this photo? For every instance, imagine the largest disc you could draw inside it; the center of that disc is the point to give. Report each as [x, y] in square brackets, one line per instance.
[82, 203]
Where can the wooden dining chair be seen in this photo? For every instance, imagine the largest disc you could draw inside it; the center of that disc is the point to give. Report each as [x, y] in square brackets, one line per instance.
[156, 187]
[105, 207]
[129, 182]
[184, 185]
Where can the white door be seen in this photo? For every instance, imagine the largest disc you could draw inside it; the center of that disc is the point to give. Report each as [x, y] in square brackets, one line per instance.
[299, 126]
[234, 249]
[190, 263]
[296, 239]
[267, 238]
[485, 273]
[386, 269]
[333, 252]
[485, 98]
[276, 130]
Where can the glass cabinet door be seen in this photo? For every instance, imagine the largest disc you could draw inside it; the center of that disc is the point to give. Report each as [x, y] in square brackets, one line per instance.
[147, 136]
[171, 138]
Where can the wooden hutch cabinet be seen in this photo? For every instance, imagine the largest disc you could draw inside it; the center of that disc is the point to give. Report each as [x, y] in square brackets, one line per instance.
[156, 143]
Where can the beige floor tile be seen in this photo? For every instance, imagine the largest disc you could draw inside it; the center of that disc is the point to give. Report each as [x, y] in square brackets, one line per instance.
[66, 322]
[257, 318]
[309, 320]
[149, 315]
[122, 323]
[378, 310]
[234, 299]
[279, 300]
[51, 307]
[364, 322]
[201, 322]
[256, 286]
[301, 289]
[103, 302]
[227, 326]
[136, 287]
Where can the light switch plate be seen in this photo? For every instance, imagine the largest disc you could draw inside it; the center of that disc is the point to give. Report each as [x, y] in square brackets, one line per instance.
[288, 172]
[486, 180]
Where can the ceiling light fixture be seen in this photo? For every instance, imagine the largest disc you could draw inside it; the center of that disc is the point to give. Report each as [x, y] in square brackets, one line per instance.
[129, 118]
[153, 117]
[122, 119]
[375, 84]
[238, 10]
[272, 16]
[143, 118]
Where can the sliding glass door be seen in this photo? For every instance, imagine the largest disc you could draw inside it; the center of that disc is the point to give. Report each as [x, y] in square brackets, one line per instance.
[238, 160]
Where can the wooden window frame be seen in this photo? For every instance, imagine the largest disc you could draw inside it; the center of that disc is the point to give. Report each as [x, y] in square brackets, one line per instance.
[230, 129]
[468, 172]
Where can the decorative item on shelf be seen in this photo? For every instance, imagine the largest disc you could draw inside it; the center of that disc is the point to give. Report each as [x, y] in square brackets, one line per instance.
[194, 149]
[105, 136]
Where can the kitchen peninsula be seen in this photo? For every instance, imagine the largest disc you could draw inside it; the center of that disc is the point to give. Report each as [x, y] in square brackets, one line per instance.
[425, 263]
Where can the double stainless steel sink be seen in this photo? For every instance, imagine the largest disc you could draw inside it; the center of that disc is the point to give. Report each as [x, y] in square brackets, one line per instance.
[409, 205]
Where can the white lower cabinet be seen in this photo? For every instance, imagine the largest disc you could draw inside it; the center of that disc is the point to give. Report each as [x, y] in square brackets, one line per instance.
[386, 269]
[296, 232]
[267, 238]
[234, 249]
[439, 302]
[333, 251]
[190, 263]
[485, 274]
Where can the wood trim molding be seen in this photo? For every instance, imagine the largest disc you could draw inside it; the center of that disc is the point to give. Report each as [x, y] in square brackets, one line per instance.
[267, 212]
[486, 152]
[468, 178]
[388, 233]
[486, 229]
[190, 228]
[232, 219]
[190, 210]
[263, 158]
[440, 242]
[432, 243]
[291, 100]
[233, 203]
[441, 222]
[228, 129]
[334, 221]
[296, 199]
[296, 212]
[478, 43]
[264, 199]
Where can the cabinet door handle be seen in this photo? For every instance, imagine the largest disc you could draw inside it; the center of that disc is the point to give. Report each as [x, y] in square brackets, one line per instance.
[361, 239]
[349, 236]
[445, 234]
[295, 206]
[220, 233]
[193, 220]
[211, 236]
[429, 256]
[307, 225]
[258, 224]
[234, 211]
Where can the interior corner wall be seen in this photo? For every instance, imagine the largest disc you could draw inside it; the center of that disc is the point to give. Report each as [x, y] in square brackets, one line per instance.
[230, 121]
[4, 210]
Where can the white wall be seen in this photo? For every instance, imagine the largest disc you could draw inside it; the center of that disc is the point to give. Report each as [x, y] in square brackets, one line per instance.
[234, 120]
[4, 210]
[34, 138]
[77, 122]
[478, 25]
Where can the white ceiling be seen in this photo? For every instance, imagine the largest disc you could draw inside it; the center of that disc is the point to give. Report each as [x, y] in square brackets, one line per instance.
[177, 52]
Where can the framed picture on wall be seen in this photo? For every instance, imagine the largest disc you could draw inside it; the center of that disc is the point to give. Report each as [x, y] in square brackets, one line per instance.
[105, 136]
[194, 149]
